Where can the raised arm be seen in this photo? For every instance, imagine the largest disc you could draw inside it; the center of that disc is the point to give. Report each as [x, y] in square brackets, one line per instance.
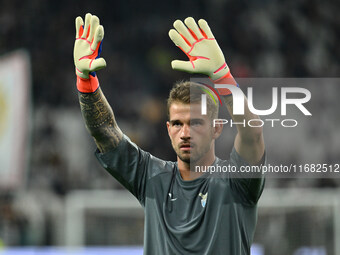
[249, 142]
[206, 57]
[97, 113]
[100, 120]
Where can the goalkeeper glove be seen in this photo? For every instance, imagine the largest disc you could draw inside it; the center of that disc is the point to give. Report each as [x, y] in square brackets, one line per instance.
[87, 48]
[205, 56]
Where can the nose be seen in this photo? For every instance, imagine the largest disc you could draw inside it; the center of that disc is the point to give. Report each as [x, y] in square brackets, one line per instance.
[185, 132]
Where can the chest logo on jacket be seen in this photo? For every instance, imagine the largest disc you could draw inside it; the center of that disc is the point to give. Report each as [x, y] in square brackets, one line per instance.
[204, 198]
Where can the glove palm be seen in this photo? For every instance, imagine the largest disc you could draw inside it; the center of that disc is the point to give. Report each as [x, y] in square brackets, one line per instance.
[199, 44]
[87, 46]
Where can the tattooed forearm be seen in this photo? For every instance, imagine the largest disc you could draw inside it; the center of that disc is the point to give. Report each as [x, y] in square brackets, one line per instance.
[100, 120]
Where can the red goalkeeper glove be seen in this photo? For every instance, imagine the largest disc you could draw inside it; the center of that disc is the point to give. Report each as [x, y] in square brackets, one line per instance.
[86, 53]
[205, 55]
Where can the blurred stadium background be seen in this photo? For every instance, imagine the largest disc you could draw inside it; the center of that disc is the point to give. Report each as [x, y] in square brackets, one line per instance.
[54, 196]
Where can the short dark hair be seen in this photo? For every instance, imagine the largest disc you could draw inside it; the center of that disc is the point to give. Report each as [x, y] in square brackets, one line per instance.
[187, 92]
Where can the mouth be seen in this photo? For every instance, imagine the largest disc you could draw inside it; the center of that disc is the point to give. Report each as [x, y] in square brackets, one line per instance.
[185, 147]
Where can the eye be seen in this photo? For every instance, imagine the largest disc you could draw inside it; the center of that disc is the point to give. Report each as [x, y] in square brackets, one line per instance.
[176, 124]
[196, 122]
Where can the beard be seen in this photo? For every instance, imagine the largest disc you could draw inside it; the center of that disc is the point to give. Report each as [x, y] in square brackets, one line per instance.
[193, 156]
[185, 159]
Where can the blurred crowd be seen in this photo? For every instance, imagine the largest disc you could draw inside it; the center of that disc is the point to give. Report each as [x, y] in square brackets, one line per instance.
[294, 38]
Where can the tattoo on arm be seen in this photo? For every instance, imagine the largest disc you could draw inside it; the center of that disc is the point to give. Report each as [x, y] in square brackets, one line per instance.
[100, 120]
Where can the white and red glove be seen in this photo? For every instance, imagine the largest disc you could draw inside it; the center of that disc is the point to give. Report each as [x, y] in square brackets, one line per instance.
[86, 53]
[205, 56]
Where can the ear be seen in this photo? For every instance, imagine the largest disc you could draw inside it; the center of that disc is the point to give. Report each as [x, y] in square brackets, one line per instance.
[168, 127]
[217, 130]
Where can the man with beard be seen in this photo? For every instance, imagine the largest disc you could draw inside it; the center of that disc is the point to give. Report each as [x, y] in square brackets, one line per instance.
[186, 211]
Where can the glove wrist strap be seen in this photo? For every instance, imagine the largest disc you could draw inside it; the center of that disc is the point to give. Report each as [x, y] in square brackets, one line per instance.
[226, 79]
[87, 85]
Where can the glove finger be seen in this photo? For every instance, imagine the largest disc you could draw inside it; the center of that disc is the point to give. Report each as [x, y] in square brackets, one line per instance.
[185, 66]
[98, 37]
[205, 27]
[191, 24]
[178, 40]
[79, 24]
[93, 27]
[88, 17]
[183, 30]
[97, 64]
